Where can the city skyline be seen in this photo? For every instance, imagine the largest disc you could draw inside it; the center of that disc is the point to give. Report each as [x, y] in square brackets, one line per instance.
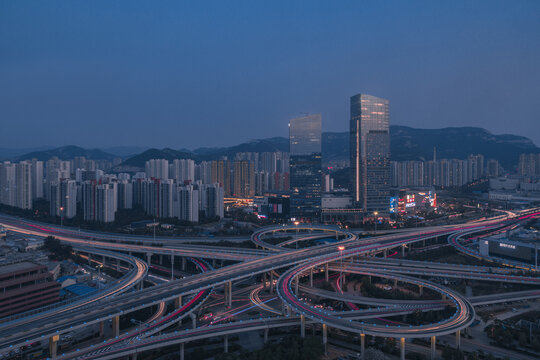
[304, 180]
[160, 71]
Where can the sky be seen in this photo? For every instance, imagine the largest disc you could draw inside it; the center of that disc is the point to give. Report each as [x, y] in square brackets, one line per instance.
[208, 73]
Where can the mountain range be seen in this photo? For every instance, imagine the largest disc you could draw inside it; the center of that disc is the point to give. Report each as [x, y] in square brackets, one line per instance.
[406, 144]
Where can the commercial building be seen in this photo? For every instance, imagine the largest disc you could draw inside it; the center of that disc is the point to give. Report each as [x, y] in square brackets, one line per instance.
[25, 286]
[521, 246]
[305, 167]
[370, 153]
[407, 201]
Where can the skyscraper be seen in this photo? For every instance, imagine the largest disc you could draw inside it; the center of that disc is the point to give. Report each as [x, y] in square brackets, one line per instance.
[370, 153]
[305, 166]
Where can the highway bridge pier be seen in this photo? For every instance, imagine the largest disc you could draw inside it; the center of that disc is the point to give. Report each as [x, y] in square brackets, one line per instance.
[178, 302]
[116, 326]
[402, 348]
[53, 346]
[325, 338]
[433, 347]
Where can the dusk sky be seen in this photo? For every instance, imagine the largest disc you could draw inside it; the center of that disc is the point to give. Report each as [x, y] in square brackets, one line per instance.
[215, 73]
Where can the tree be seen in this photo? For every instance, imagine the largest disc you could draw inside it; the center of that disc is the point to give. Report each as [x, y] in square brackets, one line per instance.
[374, 354]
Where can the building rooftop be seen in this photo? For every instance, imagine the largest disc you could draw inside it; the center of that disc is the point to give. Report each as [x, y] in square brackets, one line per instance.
[20, 266]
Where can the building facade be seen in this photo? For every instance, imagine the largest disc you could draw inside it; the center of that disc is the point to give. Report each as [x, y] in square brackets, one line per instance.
[370, 153]
[305, 167]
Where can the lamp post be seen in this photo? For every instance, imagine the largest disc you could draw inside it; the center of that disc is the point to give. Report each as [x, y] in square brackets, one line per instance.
[99, 275]
[296, 223]
[375, 213]
[341, 248]
[61, 216]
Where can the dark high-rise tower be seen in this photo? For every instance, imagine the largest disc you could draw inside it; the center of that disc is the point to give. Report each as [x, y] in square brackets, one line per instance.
[370, 153]
[305, 167]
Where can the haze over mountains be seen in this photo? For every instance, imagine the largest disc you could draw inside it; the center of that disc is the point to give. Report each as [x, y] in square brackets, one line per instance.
[407, 144]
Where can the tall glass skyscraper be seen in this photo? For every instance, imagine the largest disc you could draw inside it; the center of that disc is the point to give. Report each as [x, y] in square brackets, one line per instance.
[370, 153]
[305, 167]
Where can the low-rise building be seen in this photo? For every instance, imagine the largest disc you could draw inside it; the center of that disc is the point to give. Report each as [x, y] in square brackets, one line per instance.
[25, 286]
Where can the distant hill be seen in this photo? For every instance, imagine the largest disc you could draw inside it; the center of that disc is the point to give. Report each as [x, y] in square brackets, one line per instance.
[169, 154]
[457, 143]
[68, 153]
[406, 144]
[125, 151]
[10, 154]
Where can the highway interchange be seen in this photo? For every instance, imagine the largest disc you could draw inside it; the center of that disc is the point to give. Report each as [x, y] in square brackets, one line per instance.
[285, 267]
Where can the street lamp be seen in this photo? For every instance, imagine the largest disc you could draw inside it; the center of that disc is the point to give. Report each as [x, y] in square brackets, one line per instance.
[61, 216]
[99, 275]
[375, 213]
[296, 223]
[341, 248]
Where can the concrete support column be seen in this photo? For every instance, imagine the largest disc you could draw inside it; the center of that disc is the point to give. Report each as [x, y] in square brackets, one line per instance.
[296, 281]
[421, 290]
[214, 263]
[89, 259]
[402, 348]
[265, 335]
[53, 346]
[149, 258]
[369, 279]
[362, 346]
[193, 320]
[178, 302]
[395, 282]
[433, 347]
[311, 277]
[115, 326]
[326, 272]
[302, 326]
[160, 259]
[101, 329]
[264, 279]
[271, 282]
[182, 351]
[403, 251]
[226, 343]
[385, 253]
[228, 294]
[458, 339]
[183, 263]
[172, 267]
[325, 338]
